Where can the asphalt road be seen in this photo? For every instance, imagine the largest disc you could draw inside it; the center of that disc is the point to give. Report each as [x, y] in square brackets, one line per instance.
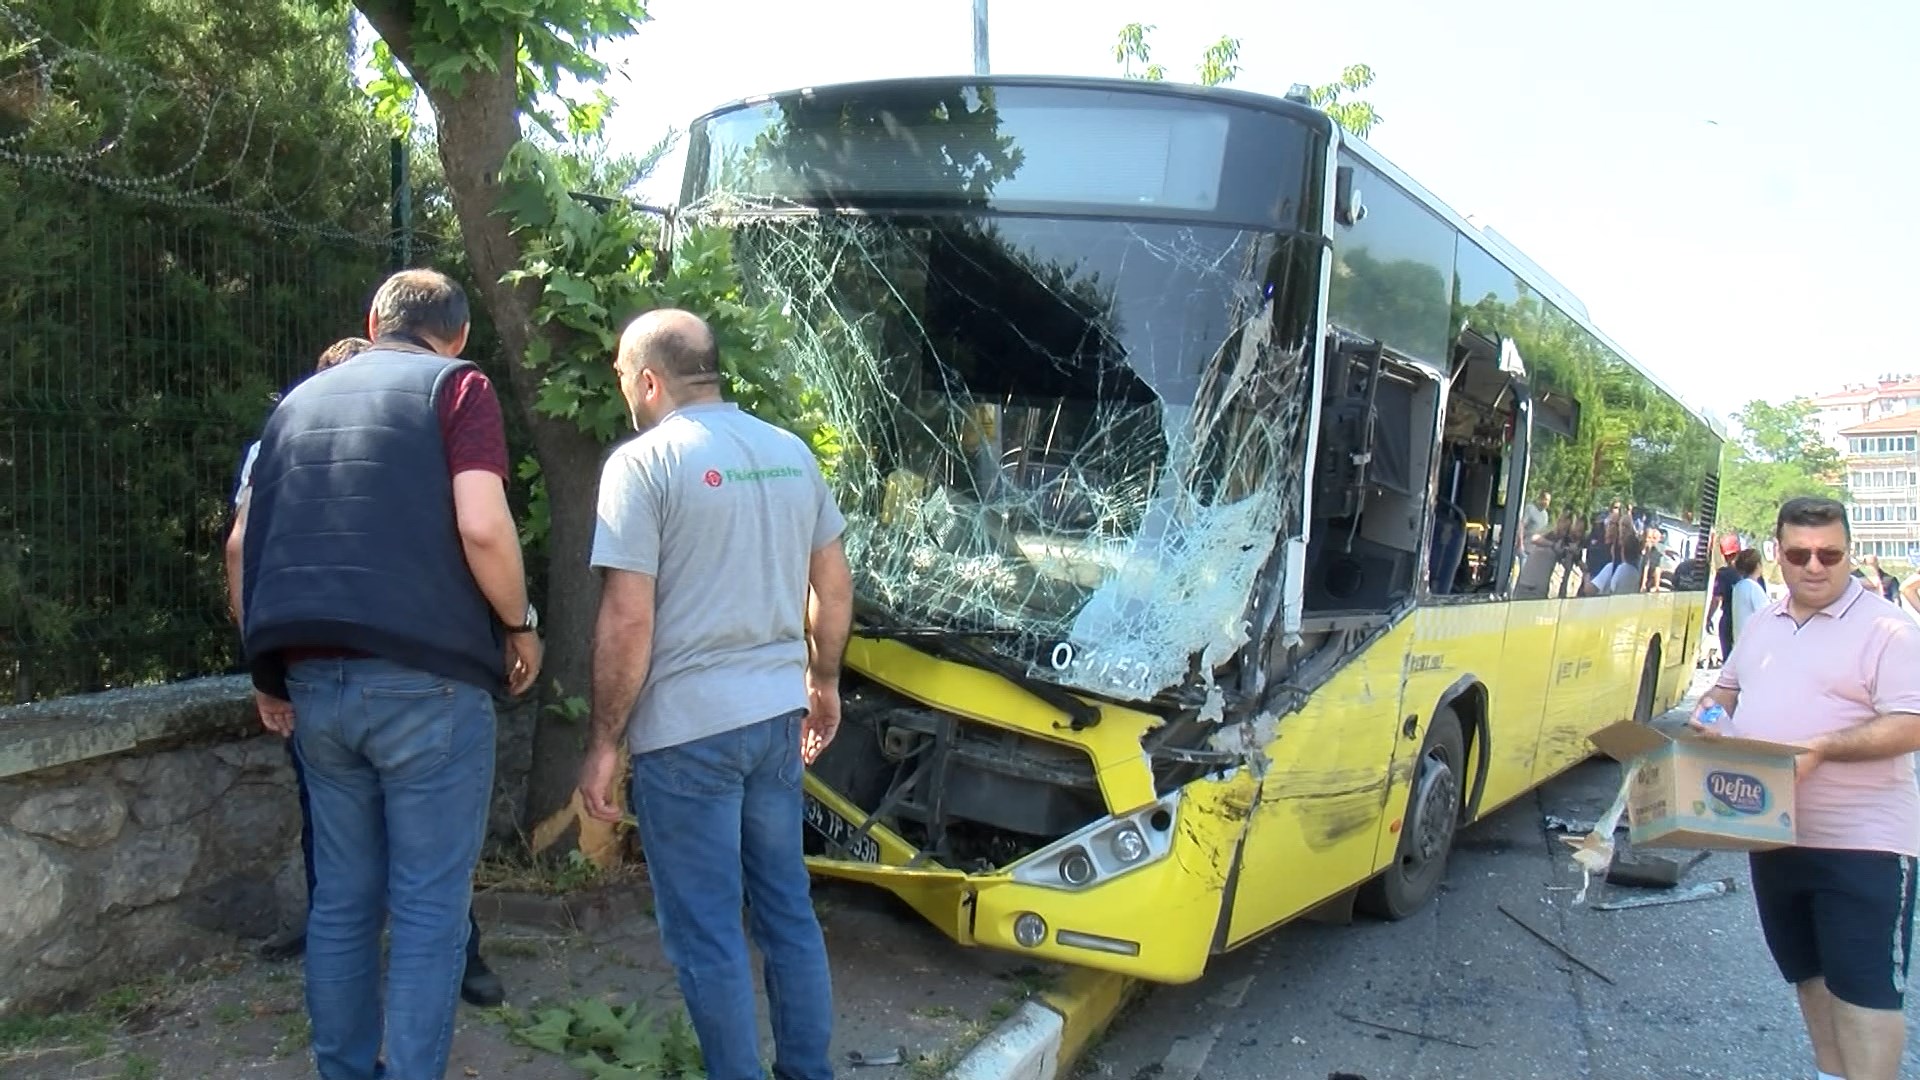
[1693, 992]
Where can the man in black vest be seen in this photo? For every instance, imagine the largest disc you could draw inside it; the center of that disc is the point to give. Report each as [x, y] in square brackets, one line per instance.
[479, 985]
[384, 606]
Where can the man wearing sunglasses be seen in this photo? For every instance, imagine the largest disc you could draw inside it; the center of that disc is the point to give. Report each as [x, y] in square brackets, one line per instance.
[1835, 668]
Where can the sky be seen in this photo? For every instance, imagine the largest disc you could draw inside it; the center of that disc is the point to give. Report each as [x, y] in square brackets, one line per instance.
[1728, 187]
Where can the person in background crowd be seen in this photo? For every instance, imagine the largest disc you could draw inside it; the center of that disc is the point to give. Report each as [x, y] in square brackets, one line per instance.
[717, 666]
[1546, 551]
[1834, 668]
[1884, 584]
[1535, 520]
[1721, 603]
[1650, 579]
[478, 984]
[1749, 593]
[383, 606]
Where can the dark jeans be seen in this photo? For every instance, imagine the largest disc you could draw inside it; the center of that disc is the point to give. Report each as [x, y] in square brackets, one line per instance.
[399, 768]
[306, 851]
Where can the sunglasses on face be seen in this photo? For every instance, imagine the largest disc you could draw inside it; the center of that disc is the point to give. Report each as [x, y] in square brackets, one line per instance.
[1799, 556]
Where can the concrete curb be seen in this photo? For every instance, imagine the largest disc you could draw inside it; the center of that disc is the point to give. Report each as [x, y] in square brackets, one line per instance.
[1045, 1037]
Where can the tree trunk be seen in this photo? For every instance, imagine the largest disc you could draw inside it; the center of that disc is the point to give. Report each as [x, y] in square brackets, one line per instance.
[477, 128]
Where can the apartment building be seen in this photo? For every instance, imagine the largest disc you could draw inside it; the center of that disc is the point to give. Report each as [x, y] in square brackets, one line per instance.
[1883, 485]
[1886, 397]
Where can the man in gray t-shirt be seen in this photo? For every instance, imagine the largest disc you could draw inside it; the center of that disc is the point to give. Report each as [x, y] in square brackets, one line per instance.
[725, 607]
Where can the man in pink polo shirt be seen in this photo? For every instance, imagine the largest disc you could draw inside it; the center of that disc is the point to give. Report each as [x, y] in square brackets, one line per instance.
[1835, 668]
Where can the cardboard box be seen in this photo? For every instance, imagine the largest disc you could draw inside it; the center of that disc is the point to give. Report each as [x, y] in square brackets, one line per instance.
[1702, 792]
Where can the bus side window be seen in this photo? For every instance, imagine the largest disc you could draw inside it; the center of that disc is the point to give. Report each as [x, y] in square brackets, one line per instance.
[1470, 514]
[1547, 563]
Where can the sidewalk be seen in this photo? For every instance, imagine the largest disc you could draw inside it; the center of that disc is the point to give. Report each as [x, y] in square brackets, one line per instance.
[903, 992]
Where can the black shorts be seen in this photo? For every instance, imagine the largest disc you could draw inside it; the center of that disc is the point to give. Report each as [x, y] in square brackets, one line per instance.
[1846, 916]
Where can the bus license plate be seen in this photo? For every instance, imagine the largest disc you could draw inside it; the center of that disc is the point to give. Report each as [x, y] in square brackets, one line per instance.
[839, 832]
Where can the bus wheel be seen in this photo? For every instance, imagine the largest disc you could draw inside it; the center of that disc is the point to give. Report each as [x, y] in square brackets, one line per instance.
[1649, 684]
[1426, 836]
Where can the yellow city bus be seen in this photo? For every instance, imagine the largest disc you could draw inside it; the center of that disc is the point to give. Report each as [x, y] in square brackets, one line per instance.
[1231, 520]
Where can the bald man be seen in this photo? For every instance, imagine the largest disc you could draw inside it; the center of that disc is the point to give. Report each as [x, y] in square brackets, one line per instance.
[724, 611]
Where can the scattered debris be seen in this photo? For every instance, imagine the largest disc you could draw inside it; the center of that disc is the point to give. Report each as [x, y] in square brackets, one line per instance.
[1705, 890]
[1650, 871]
[1350, 1018]
[1557, 947]
[1298, 1041]
[1593, 853]
[859, 1060]
[1556, 823]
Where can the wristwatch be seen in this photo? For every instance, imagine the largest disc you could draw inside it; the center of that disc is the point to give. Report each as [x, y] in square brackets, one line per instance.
[531, 624]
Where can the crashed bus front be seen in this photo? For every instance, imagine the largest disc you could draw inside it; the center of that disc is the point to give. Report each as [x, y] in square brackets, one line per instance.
[1065, 334]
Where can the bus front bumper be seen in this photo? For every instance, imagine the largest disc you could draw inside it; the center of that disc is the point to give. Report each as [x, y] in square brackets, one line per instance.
[1156, 923]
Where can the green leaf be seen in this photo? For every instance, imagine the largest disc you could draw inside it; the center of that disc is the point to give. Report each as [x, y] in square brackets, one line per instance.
[539, 352]
[525, 205]
[550, 1033]
[642, 1049]
[575, 290]
[597, 1025]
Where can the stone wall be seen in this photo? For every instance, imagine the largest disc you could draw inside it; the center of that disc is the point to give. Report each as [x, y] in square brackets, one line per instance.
[142, 830]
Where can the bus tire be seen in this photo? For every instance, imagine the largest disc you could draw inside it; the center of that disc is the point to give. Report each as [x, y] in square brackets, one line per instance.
[1649, 686]
[1431, 822]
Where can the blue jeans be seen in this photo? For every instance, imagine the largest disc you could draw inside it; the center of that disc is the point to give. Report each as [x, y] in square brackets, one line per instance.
[716, 815]
[306, 850]
[399, 769]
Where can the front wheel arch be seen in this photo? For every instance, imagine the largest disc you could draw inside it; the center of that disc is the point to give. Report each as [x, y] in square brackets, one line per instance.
[1429, 825]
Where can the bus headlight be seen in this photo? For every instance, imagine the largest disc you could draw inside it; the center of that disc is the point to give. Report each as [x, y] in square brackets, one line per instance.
[1104, 849]
[1075, 868]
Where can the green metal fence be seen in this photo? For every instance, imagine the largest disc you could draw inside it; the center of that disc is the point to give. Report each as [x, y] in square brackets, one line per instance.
[140, 344]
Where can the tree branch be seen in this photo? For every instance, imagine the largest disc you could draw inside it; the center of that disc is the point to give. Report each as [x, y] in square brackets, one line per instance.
[393, 21]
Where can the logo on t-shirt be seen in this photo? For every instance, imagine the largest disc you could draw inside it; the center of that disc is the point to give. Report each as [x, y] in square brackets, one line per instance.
[712, 478]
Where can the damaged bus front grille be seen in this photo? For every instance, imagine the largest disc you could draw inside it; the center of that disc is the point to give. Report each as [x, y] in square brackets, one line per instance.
[969, 796]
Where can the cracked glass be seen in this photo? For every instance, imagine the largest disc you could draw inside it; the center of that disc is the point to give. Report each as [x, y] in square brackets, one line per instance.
[1072, 411]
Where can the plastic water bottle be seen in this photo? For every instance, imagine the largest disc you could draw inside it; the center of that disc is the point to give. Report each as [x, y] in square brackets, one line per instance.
[1712, 714]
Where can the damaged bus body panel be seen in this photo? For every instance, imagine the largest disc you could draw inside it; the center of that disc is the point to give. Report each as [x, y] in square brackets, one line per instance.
[1138, 530]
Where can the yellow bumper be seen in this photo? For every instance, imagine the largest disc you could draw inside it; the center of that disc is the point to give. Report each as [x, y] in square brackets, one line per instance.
[1155, 923]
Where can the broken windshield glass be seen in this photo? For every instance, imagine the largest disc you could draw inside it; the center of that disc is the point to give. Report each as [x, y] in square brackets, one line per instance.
[1079, 439]
[1077, 431]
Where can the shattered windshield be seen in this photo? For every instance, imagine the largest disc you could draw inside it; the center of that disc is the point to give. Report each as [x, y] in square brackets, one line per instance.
[1079, 438]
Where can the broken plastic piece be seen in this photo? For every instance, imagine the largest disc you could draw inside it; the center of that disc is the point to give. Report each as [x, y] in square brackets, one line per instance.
[1705, 890]
[858, 1060]
[1650, 871]
[1593, 853]
[1556, 823]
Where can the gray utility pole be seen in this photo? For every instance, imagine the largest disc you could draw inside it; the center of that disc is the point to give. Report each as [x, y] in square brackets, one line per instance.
[980, 37]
